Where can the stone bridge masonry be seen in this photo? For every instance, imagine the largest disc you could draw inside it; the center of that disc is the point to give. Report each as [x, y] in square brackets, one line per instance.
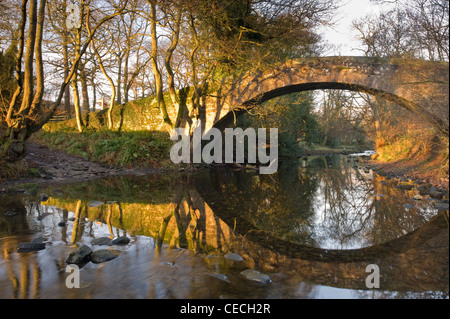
[420, 86]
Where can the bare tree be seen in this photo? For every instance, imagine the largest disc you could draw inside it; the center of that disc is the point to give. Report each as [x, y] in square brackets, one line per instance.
[416, 28]
[28, 116]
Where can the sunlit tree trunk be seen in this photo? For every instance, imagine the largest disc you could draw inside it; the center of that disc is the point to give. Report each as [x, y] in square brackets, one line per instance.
[156, 71]
[179, 107]
[113, 88]
[76, 96]
[67, 108]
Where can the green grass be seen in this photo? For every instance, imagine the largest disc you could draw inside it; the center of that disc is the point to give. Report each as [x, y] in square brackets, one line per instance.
[117, 149]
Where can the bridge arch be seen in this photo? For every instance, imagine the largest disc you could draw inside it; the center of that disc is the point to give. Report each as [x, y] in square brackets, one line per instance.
[417, 85]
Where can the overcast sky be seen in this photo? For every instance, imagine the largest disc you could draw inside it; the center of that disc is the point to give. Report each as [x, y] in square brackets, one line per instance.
[342, 35]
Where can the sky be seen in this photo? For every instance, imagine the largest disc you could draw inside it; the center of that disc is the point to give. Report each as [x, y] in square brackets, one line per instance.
[342, 34]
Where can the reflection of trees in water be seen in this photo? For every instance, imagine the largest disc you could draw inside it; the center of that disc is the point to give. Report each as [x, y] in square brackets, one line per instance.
[354, 211]
[23, 270]
[343, 205]
[381, 294]
[166, 208]
[325, 201]
[197, 227]
[279, 204]
[179, 217]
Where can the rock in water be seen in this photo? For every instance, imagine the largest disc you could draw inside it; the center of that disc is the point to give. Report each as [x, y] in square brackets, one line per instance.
[103, 255]
[38, 240]
[27, 247]
[95, 203]
[441, 206]
[122, 240]
[254, 275]
[81, 255]
[101, 241]
[43, 197]
[220, 277]
[234, 257]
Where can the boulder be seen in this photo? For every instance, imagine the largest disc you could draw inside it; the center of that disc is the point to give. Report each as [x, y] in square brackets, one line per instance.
[62, 224]
[80, 256]
[101, 241]
[122, 240]
[104, 255]
[33, 246]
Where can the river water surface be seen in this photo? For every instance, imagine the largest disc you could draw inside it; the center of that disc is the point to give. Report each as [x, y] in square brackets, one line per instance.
[308, 231]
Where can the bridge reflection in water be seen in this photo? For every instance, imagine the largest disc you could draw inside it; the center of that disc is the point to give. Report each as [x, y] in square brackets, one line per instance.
[313, 231]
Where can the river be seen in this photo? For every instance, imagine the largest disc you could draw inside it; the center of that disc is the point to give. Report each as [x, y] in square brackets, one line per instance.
[315, 229]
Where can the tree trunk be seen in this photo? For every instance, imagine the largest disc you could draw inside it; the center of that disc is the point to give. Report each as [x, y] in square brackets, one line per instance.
[125, 76]
[76, 96]
[119, 81]
[84, 88]
[156, 72]
[67, 108]
[76, 103]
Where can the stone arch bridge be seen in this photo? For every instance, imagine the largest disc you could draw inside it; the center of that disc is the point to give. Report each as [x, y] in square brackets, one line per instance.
[420, 86]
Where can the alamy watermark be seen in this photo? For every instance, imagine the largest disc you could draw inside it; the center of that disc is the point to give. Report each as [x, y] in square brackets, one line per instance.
[373, 280]
[233, 151]
[73, 279]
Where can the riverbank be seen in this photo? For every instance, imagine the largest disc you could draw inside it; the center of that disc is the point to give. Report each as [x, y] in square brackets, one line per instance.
[417, 169]
[44, 165]
[61, 158]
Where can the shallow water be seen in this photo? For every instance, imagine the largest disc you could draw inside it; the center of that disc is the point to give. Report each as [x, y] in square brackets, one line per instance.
[312, 228]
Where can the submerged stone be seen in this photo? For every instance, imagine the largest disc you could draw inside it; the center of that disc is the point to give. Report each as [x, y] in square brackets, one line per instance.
[254, 275]
[221, 277]
[441, 206]
[33, 246]
[234, 257]
[104, 255]
[95, 203]
[38, 240]
[101, 241]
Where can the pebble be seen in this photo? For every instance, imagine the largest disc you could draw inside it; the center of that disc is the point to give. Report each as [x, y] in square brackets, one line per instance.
[234, 257]
[441, 206]
[221, 277]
